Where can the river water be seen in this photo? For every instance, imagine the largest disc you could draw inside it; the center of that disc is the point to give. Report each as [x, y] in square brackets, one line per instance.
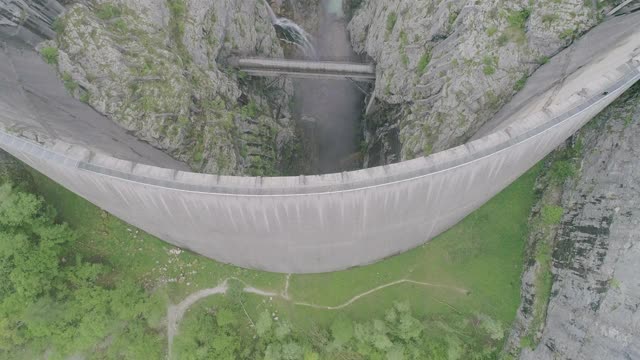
[334, 105]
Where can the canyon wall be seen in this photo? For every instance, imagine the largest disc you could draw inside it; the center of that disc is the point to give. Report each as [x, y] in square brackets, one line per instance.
[444, 68]
[157, 68]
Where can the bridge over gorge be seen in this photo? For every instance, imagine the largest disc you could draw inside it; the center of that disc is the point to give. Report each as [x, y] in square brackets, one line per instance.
[309, 69]
[307, 224]
[306, 69]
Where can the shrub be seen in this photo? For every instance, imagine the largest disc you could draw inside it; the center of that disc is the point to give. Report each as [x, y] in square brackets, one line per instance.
[391, 21]
[518, 19]
[520, 83]
[489, 70]
[58, 26]
[178, 10]
[120, 25]
[85, 97]
[50, 55]
[108, 11]
[489, 64]
[453, 16]
[517, 25]
[561, 171]
[569, 34]
[251, 110]
[424, 61]
[69, 84]
[404, 58]
[549, 18]
[503, 39]
[551, 214]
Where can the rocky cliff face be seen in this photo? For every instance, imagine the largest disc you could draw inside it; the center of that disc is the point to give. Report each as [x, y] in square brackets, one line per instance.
[446, 67]
[584, 257]
[594, 310]
[156, 68]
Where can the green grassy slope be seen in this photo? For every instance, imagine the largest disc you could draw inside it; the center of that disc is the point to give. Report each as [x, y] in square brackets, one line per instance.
[483, 255]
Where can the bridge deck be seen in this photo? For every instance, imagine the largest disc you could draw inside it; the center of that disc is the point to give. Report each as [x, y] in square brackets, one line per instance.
[306, 69]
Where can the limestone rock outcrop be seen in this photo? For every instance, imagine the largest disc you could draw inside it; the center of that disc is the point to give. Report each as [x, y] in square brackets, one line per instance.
[157, 68]
[446, 67]
[594, 310]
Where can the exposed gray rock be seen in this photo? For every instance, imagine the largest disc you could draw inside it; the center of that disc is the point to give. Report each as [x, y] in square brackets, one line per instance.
[228, 27]
[536, 279]
[155, 14]
[154, 67]
[594, 308]
[450, 65]
[31, 21]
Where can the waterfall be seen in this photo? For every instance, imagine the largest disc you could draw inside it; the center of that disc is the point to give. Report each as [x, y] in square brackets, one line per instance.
[292, 33]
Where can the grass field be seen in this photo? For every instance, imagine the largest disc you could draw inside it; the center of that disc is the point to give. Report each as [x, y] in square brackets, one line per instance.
[483, 254]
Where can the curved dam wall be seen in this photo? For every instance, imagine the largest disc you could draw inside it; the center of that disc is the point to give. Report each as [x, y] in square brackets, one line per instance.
[311, 224]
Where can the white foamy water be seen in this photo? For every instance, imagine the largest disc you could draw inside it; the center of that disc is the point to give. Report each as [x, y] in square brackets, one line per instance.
[293, 33]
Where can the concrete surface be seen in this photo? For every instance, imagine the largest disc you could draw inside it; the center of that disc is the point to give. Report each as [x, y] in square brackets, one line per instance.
[306, 69]
[310, 224]
[590, 46]
[35, 104]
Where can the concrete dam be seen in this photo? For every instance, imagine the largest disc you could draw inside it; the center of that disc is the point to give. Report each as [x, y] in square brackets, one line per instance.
[306, 224]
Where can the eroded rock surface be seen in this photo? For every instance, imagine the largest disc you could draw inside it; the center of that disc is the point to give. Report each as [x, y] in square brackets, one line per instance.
[594, 308]
[446, 67]
[156, 68]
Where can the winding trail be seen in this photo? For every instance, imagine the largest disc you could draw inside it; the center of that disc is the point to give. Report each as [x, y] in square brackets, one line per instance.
[176, 312]
[378, 288]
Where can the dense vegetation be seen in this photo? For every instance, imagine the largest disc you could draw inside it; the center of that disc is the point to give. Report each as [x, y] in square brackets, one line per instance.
[397, 336]
[219, 329]
[101, 288]
[53, 300]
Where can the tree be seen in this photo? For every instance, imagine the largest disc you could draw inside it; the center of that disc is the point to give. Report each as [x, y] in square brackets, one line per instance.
[283, 330]
[263, 325]
[30, 248]
[341, 331]
[51, 300]
[292, 351]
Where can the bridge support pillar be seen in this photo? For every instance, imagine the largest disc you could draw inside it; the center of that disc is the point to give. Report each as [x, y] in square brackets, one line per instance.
[371, 104]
